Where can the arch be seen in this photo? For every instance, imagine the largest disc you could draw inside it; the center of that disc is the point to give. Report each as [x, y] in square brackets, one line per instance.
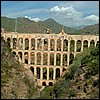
[32, 58]
[45, 44]
[58, 45]
[92, 43]
[14, 43]
[32, 44]
[51, 58]
[32, 70]
[50, 83]
[65, 45]
[26, 57]
[51, 73]
[45, 58]
[39, 44]
[8, 41]
[78, 46]
[97, 44]
[44, 73]
[57, 73]
[58, 59]
[26, 44]
[20, 43]
[20, 55]
[72, 45]
[38, 72]
[43, 83]
[71, 58]
[38, 58]
[52, 45]
[14, 53]
[64, 59]
[85, 44]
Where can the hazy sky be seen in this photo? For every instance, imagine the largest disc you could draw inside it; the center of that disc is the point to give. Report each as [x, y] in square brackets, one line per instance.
[68, 13]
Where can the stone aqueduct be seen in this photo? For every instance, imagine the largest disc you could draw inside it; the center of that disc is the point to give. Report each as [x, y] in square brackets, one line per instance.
[47, 55]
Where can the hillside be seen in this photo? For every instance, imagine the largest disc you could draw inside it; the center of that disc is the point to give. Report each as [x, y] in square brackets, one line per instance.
[16, 81]
[24, 25]
[92, 29]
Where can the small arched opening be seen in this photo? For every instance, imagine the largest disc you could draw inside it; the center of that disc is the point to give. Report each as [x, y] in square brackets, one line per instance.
[20, 43]
[51, 59]
[92, 43]
[14, 53]
[85, 44]
[32, 58]
[58, 59]
[97, 44]
[14, 43]
[64, 59]
[26, 57]
[20, 55]
[38, 72]
[51, 73]
[32, 70]
[45, 73]
[39, 44]
[38, 58]
[58, 45]
[78, 45]
[45, 58]
[71, 58]
[32, 44]
[72, 45]
[43, 83]
[50, 83]
[65, 45]
[26, 44]
[45, 44]
[57, 73]
[52, 45]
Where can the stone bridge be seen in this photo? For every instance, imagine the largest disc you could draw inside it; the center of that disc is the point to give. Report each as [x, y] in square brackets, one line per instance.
[48, 55]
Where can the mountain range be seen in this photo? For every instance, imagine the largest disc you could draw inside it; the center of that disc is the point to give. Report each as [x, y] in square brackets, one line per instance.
[25, 25]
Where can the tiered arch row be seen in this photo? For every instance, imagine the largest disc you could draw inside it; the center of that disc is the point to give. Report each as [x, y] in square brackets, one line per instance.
[48, 54]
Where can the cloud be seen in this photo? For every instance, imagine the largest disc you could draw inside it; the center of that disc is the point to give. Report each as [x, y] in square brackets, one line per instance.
[34, 19]
[71, 17]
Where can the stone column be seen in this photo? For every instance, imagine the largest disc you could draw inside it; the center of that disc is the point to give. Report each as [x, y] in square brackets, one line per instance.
[55, 44]
[41, 58]
[28, 57]
[29, 43]
[41, 77]
[68, 45]
[68, 57]
[54, 58]
[82, 46]
[35, 43]
[22, 56]
[47, 73]
[11, 43]
[23, 43]
[75, 46]
[17, 43]
[35, 53]
[62, 41]
[61, 64]
[48, 58]
[54, 73]
[88, 44]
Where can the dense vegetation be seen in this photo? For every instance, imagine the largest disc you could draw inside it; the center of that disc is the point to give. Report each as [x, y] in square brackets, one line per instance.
[81, 81]
[15, 81]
